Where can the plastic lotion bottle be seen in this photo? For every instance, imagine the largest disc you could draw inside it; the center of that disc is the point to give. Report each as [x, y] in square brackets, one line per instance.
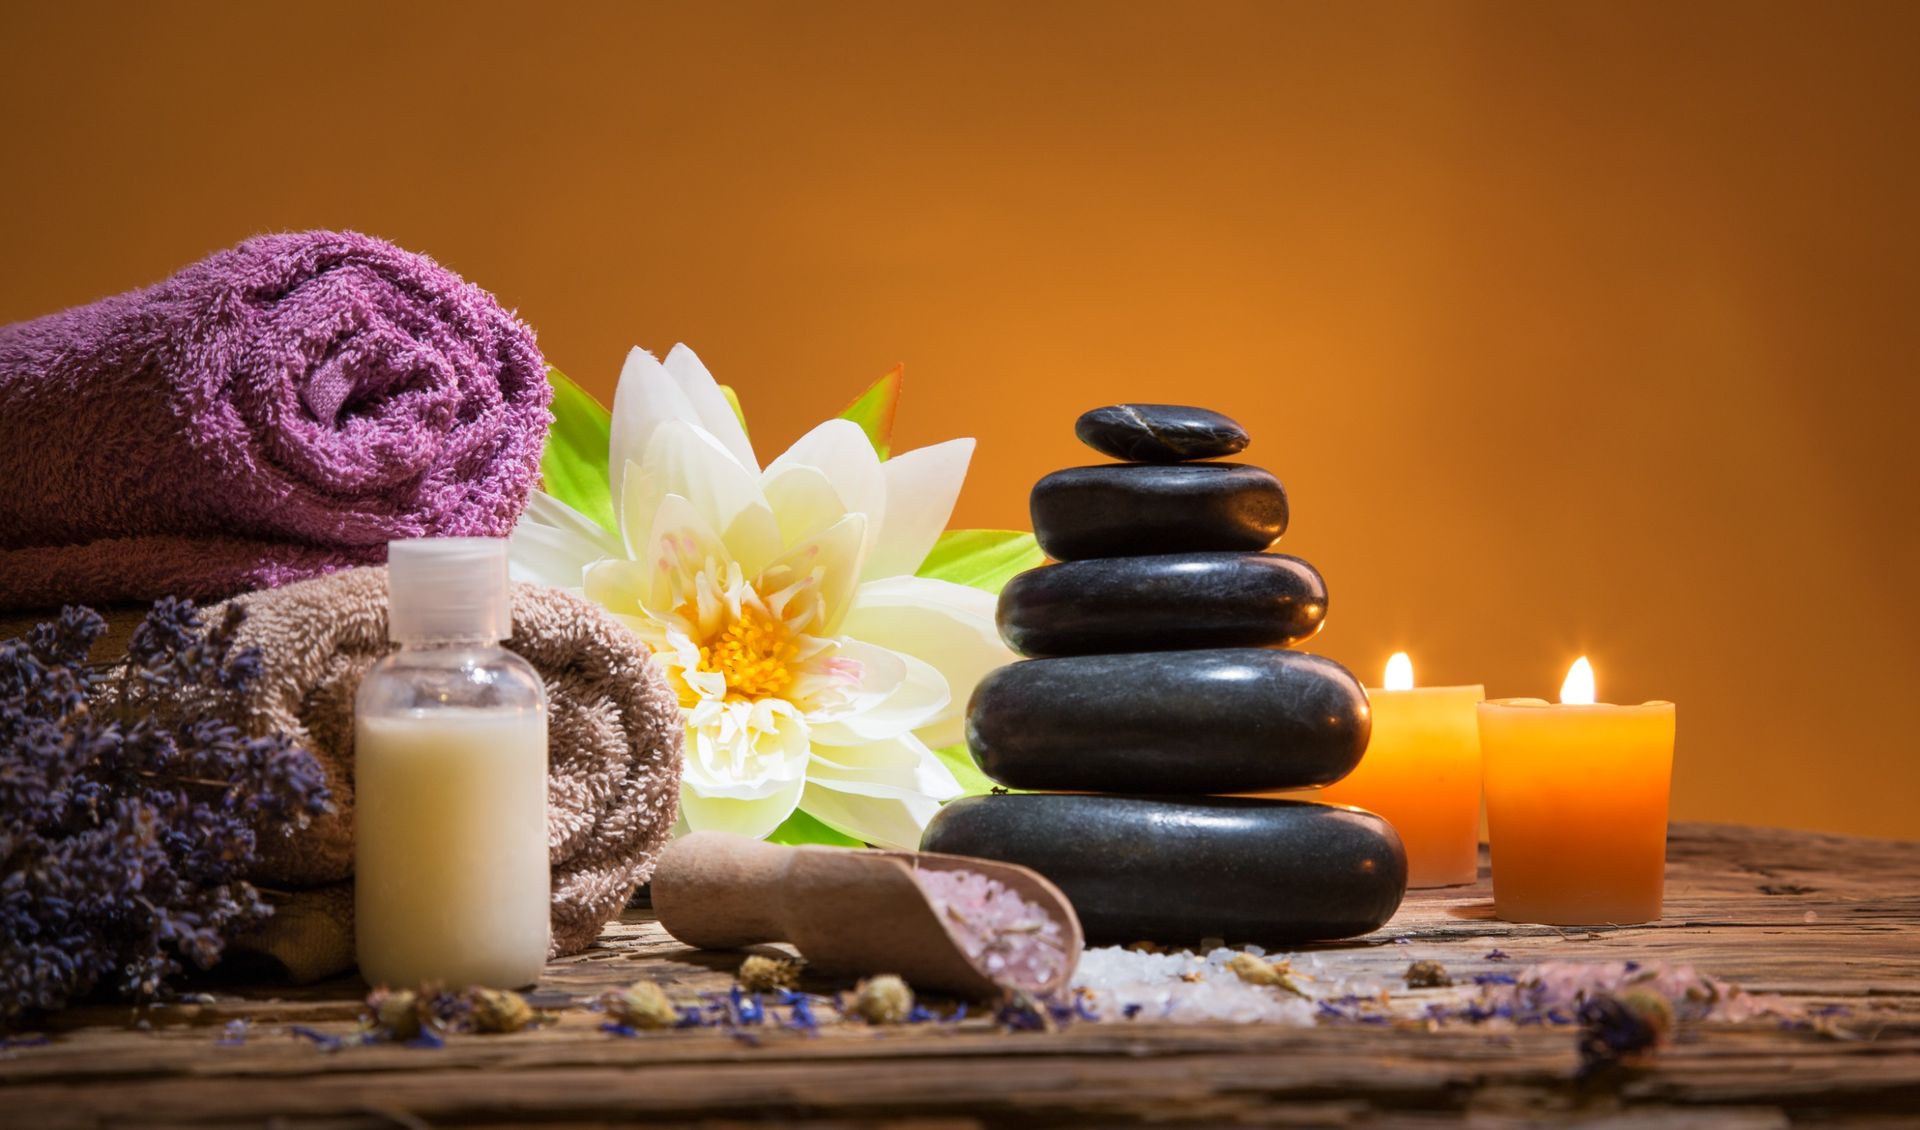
[450, 781]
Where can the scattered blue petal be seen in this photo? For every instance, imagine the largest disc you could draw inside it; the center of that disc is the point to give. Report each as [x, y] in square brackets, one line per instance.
[800, 1015]
[325, 1041]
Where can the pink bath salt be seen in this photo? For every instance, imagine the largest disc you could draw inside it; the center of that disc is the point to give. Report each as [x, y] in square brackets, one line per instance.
[1013, 941]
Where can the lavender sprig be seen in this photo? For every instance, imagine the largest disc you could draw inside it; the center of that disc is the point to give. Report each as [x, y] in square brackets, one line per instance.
[131, 806]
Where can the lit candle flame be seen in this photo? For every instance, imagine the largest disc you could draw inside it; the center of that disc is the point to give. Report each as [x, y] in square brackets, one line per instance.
[1578, 689]
[1399, 672]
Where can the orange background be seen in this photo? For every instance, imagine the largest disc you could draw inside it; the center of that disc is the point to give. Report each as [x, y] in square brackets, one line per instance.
[1571, 328]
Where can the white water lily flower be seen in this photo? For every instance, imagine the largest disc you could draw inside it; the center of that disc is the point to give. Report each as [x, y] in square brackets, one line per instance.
[814, 670]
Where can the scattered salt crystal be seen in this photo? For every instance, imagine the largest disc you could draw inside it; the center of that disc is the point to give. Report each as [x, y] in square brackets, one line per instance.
[1189, 988]
[1014, 941]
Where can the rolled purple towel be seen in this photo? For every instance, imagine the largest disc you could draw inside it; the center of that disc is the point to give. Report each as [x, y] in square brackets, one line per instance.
[277, 410]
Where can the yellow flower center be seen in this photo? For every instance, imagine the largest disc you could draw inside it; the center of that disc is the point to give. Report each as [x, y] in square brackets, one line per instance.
[755, 653]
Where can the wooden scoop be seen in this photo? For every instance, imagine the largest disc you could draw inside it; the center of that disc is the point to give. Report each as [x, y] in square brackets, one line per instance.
[851, 913]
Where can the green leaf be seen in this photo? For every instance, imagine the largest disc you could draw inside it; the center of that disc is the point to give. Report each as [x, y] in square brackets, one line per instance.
[982, 559]
[964, 770]
[573, 467]
[873, 410]
[803, 829]
[733, 399]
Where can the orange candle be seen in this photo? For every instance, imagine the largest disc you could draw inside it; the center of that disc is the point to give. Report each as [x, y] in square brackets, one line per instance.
[1422, 772]
[1577, 805]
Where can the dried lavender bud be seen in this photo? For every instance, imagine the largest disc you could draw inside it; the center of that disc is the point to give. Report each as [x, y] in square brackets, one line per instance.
[760, 974]
[883, 1000]
[1428, 975]
[642, 1004]
[130, 806]
[497, 1010]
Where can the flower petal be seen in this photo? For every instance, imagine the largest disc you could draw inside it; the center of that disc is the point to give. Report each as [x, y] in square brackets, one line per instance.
[946, 625]
[803, 501]
[619, 585]
[546, 510]
[901, 767]
[845, 681]
[920, 696]
[546, 555]
[744, 750]
[678, 546]
[888, 822]
[645, 398]
[827, 564]
[842, 452]
[715, 413]
[922, 487]
[684, 459]
[756, 817]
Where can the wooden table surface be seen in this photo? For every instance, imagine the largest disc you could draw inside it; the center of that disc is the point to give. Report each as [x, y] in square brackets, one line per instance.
[1830, 923]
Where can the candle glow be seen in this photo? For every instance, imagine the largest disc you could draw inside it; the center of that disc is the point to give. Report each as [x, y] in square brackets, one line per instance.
[1578, 690]
[1399, 672]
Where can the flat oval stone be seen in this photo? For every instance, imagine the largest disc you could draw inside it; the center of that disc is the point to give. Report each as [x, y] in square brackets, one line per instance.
[1160, 433]
[1233, 720]
[1127, 510]
[1173, 600]
[1147, 869]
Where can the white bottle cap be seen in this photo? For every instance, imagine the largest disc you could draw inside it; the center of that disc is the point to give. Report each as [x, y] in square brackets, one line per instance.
[448, 589]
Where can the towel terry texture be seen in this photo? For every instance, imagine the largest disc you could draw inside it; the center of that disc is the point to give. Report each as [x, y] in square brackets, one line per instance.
[614, 735]
[275, 411]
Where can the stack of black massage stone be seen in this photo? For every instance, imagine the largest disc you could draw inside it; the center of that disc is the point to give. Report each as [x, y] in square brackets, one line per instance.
[1156, 681]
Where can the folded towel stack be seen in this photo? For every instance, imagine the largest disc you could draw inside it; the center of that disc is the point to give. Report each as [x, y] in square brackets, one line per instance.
[278, 410]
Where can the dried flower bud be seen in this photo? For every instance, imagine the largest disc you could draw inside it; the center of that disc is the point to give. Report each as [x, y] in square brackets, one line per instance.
[397, 1011]
[1255, 971]
[883, 1000]
[1428, 975]
[497, 1010]
[1252, 970]
[768, 974]
[1020, 1012]
[1613, 1026]
[1654, 1010]
[642, 1004]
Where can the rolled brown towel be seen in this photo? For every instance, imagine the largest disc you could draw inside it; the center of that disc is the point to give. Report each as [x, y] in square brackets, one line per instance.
[613, 778]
